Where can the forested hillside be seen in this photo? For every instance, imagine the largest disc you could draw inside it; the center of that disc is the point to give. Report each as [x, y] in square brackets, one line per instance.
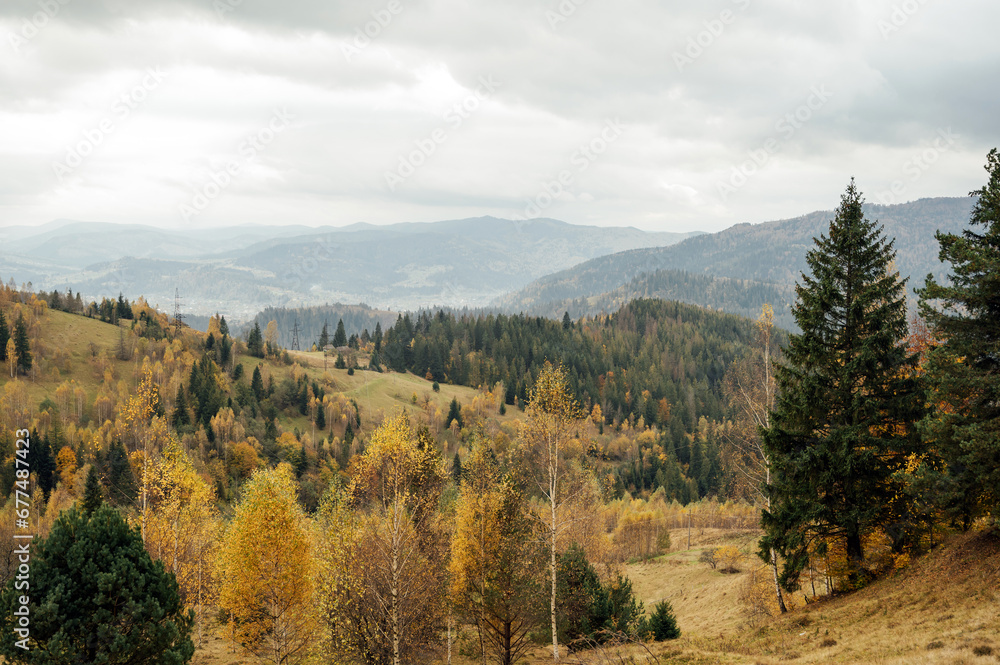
[771, 252]
[724, 294]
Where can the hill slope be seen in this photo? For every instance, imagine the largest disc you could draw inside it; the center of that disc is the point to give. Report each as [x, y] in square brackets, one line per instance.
[767, 253]
[241, 270]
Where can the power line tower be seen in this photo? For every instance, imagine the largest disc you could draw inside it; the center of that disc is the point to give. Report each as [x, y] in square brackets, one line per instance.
[178, 317]
[295, 336]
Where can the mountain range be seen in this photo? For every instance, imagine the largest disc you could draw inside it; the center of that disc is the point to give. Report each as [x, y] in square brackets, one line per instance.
[241, 270]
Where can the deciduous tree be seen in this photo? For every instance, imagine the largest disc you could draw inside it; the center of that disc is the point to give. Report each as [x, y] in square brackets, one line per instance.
[266, 567]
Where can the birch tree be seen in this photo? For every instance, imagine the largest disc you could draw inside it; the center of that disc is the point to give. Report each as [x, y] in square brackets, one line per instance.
[751, 388]
[552, 415]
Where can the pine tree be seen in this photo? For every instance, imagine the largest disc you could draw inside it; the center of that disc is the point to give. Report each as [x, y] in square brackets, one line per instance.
[324, 337]
[255, 342]
[97, 597]
[4, 336]
[567, 322]
[454, 414]
[964, 428]
[180, 416]
[320, 417]
[92, 498]
[223, 326]
[22, 348]
[662, 623]
[257, 384]
[340, 337]
[456, 468]
[377, 337]
[843, 422]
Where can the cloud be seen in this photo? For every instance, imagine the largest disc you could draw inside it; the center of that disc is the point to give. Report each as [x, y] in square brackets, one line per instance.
[700, 87]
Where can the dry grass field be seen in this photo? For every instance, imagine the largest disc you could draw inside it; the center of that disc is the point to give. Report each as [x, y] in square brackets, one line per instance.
[943, 609]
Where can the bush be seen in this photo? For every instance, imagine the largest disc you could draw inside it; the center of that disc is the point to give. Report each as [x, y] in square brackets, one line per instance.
[708, 556]
[662, 623]
[436, 387]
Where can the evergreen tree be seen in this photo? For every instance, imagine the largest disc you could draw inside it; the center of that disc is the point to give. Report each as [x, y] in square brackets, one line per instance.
[257, 384]
[456, 468]
[320, 417]
[662, 623]
[567, 322]
[121, 483]
[4, 336]
[42, 463]
[843, 422]
[22, 349]
[340, 337]
[377, 337]
[96, 597]
[324, 337]
[180, 417]
[964, 313]
[92, 498]
[454, 414]
[223, 327]
[340, 363]
[255, 342]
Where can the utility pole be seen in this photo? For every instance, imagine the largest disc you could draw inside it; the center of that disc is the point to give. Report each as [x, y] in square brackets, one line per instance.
[295, 336]
[178, 317]
[689, 527]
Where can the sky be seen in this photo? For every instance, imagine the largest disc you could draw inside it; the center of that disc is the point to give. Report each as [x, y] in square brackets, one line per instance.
[663, 115]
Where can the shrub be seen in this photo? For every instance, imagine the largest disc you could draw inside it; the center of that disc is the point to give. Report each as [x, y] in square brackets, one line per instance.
[436, 387]
[708, 556]
[662, 623]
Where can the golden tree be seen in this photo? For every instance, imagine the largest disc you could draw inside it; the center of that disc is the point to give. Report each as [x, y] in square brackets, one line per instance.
[182, 526]
[552, 415]
[398, 481]
[266, 568]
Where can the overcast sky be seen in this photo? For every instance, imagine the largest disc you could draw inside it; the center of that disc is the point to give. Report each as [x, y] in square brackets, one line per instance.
[664, 115]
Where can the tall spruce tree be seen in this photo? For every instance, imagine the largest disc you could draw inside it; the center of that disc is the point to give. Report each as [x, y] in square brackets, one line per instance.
[844, 418]
[22, 348]
[4, 336]
[340, 337]
[324, 336]
[963, 430]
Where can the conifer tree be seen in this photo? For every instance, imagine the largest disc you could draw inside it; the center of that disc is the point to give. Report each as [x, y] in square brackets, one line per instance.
[96, 597]
[4, 336]
[92, 498]
[843, 421]
[324, 337]
[964, 428]
[340, 337]
[22, 348]
[257, 384]
[255, 342]
[454, 414]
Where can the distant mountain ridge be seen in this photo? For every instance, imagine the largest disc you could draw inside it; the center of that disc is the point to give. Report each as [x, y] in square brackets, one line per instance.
[771, 255]
[242, 270]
